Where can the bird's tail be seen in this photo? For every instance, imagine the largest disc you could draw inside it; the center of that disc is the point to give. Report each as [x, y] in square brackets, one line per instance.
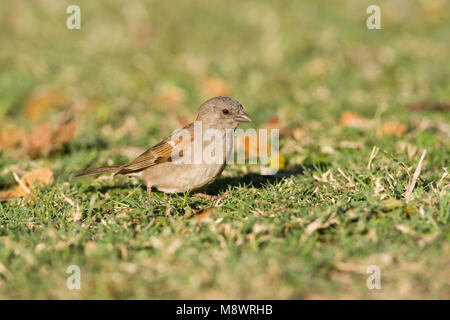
[112, 169]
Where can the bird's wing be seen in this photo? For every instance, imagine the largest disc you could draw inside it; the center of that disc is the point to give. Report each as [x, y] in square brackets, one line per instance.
[161, 152]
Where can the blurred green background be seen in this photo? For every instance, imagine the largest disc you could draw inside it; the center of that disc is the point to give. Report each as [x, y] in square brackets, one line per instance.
[139, 69]
[311, 55]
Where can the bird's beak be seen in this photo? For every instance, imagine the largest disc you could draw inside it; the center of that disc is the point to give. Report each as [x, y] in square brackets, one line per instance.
[243, 117]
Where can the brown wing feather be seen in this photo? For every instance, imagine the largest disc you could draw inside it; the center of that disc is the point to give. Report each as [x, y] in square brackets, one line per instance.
[159, 153]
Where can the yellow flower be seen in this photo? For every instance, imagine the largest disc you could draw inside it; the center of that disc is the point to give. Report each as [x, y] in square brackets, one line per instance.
[277, 162]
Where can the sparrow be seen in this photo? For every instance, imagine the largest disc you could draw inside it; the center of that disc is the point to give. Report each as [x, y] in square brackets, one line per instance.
[174, 164]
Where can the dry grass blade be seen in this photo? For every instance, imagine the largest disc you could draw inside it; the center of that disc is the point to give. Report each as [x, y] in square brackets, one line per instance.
[76, 212]
[373, 154]
[409, 190]
[21, 183]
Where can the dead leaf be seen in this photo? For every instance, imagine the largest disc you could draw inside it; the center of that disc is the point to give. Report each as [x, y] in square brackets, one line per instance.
[39, 142]
[11, 138]
[213, 86]
[41, 101]
[63, 134]
[205, 212]
[394, 128]
[351, 119]
[43, 140]
[17, 192]
[38, 177]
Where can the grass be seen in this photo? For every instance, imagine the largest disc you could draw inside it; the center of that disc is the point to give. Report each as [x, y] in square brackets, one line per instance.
[135, 71]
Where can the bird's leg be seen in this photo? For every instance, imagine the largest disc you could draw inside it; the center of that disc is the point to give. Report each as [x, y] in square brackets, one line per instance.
[149, 191]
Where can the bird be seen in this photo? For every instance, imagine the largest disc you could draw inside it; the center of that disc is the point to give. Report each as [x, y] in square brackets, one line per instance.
[174, 165]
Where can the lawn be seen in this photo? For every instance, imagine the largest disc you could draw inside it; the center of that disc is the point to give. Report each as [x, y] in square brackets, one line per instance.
[356, 109]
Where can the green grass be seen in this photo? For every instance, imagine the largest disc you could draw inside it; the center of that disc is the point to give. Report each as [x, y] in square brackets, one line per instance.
[305, 62]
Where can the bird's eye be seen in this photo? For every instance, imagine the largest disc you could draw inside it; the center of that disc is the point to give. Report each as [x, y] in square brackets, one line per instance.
[225, 111]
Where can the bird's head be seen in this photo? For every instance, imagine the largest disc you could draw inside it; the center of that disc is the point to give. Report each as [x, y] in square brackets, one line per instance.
[222, 113]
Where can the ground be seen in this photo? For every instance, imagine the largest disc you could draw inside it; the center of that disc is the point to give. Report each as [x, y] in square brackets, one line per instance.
[357, 109]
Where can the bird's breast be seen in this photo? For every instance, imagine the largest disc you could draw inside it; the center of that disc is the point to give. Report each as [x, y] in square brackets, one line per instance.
[174, 177]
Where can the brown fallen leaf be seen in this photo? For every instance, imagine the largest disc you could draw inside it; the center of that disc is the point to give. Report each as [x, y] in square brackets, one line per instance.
[11, 137]
[41, 101]
[39, 142]
[394, 128]
[38, 177]
[351, 119]
[205, 212]
[63, 134]
[41, 177]
[44, 140]
[213, 86]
